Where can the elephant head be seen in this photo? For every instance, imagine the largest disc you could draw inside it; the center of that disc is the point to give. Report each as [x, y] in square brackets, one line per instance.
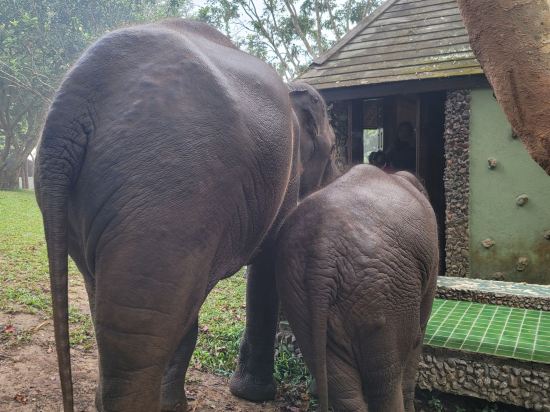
[317, 139]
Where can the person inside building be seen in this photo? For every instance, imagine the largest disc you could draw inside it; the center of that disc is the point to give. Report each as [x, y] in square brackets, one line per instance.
[378, 159]
[402, 153]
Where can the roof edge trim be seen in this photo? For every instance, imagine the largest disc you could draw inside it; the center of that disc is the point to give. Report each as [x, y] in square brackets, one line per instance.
[352, 33]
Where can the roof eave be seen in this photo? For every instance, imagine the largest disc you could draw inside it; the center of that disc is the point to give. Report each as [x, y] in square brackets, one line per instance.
[352, 33]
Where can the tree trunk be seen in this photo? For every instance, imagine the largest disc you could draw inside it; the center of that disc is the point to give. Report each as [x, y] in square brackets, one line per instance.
[25, 175]
[9, 178]
[318, 35]
[296, 23]
[511, 40]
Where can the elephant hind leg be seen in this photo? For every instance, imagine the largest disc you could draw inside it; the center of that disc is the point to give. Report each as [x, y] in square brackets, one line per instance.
[409, 376]
[147, 301]
[383, 390]
[381, 368]
[173, 382]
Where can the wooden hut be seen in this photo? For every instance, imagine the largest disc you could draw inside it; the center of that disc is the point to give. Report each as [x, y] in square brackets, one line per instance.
[406, 77]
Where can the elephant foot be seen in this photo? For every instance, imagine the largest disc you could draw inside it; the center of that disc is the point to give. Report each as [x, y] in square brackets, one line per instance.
[246, 386]
[174, 407]
[174, 400]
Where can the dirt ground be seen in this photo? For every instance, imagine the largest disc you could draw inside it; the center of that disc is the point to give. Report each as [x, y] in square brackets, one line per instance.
[29, 381]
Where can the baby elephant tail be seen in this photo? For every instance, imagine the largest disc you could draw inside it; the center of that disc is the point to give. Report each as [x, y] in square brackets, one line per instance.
[319, 349]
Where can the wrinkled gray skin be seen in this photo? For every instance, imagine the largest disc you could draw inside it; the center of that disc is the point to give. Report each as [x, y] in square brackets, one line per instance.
[356, 273]
[167, 160]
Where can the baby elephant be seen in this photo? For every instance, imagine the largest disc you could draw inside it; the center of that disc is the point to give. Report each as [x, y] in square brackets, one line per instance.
[356, 274]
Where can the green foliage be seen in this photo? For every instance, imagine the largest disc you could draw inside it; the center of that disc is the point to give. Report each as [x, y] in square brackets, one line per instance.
[39, 40]
[23, 261]
[24, 279]
[436, 405]
[221, 323]
[286, 33]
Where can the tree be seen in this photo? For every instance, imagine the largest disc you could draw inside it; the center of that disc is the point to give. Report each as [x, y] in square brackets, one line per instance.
[510, 40]
[286, 33]
[38, 42]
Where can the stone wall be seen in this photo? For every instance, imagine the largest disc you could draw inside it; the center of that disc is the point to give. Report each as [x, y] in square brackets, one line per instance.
[514, 301]
[508, 381]
[456, 178]
[338, 112]
[517, 295]
[496, 379]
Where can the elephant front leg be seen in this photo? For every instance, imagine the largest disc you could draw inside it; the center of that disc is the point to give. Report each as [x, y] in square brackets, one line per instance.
[253, 378]
[173, 381]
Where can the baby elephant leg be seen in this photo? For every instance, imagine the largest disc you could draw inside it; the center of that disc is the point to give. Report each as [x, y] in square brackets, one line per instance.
[382, 363]
[409, 376]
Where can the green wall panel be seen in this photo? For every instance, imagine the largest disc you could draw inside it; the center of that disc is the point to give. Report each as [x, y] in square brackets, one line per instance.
[517, 231]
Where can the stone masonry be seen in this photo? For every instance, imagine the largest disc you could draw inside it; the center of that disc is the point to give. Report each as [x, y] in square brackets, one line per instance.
[456, 179]
[338, 112]
[510, 381]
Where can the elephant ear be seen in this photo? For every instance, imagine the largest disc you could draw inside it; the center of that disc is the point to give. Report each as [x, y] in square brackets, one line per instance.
[306, 105]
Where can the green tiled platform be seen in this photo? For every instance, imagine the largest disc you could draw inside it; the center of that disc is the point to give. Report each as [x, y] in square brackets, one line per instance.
[495, 330]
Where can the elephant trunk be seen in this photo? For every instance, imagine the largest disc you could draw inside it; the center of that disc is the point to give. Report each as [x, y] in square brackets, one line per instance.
[319, 349]
[331, 172]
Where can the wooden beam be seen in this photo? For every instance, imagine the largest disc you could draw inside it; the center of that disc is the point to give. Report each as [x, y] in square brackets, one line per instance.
[405, 87]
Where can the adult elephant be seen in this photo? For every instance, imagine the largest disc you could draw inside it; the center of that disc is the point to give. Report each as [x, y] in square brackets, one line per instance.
[167, 160]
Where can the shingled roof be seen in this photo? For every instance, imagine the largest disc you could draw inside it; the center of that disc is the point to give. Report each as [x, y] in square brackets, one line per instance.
[401, 40]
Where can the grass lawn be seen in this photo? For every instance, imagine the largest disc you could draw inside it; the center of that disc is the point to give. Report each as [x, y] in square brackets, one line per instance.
[24, 287]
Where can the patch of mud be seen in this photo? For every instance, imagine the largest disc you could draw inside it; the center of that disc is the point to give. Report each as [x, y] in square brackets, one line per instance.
[29, 381]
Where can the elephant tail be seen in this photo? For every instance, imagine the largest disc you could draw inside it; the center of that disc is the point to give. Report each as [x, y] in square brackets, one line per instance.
[60, 155]
[55, 226]
[319, 343]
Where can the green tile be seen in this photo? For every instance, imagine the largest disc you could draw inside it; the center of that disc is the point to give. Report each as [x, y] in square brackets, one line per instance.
[458, 336]
[430, 330]
[507, 341]
[532, 315]
[539, 357]
[490, 328]
[437, 342]
[445, 331]
[471, 347]
[486, 348]
[477, 331]
[453, 344]
[508, 352]
[528, 330]
[527, 338]
[523, 353]
[490, 340]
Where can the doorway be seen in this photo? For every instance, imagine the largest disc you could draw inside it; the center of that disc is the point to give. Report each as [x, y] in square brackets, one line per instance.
[408, 129]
